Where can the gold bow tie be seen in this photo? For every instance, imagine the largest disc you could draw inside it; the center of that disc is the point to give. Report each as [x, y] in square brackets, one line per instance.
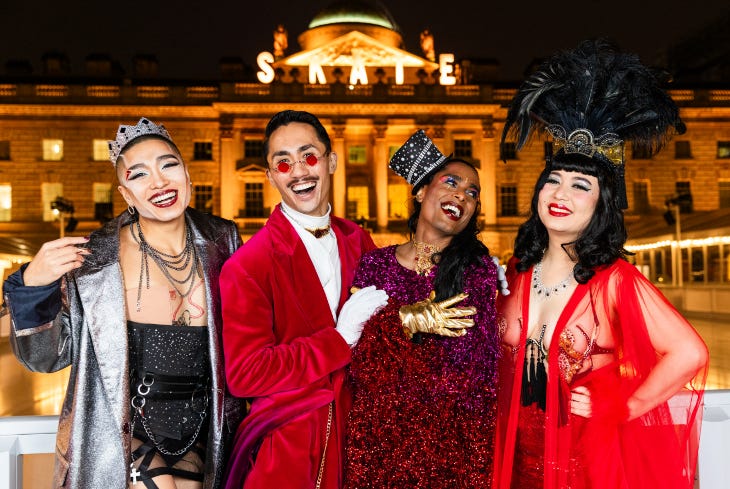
[319, 232]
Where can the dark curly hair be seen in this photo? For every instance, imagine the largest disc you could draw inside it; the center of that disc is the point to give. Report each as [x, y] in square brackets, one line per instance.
[601, 242]
[464, 249]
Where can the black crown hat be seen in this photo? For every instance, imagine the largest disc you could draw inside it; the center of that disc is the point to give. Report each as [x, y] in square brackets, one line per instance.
[417, 158]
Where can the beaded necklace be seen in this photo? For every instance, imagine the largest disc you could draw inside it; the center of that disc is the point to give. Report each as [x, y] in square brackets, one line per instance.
[542, 290]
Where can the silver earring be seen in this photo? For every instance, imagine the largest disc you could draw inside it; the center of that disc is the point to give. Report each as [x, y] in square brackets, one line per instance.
[131, 210]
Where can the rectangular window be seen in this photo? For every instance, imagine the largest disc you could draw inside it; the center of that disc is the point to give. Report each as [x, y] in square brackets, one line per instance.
[398, 199]
[203, 150]
[724, 190]
[254, 199]
[391, 151]
[203, 196]
[508, 200]
[357, 155]
[6, 202]
[682, 150]
[4, 150]
[723, 149]
[358, 203]
[508, 151]
[253, 148]
[684, 194]
[102, 194]
[641, 197]
[462, 148]
[100, 149]
[49, 193]
[53, 149]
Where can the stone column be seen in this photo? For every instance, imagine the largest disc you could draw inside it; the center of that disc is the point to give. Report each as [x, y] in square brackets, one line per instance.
[380, 175]
[228, 181]
[339, 179]
[488, 154]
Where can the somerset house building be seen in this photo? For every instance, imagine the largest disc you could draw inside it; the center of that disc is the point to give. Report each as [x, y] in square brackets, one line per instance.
[350, 68]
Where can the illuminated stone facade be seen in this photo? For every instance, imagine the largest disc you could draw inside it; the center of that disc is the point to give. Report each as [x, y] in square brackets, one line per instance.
[219, 127]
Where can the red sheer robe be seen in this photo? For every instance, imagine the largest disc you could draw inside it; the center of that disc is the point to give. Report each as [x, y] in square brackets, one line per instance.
[658, 449]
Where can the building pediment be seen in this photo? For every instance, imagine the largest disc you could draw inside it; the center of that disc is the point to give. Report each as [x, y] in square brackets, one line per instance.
[356, 48]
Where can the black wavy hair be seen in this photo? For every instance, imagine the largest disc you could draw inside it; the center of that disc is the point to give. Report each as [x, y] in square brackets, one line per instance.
[601, 242]
[464, 249]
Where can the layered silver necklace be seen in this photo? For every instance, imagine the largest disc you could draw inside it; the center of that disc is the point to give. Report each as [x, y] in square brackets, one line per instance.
[166, 263]
[543, 291]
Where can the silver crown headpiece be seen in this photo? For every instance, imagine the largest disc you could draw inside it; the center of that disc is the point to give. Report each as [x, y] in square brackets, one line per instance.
[127, 134]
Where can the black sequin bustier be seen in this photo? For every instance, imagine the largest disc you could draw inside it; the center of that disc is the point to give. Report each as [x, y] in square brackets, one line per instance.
[169, 379]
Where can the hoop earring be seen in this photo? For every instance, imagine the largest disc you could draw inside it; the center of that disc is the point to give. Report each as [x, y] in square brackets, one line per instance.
[131, 210]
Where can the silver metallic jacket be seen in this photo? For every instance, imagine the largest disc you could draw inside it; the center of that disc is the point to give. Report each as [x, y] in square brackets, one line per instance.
[90, 334]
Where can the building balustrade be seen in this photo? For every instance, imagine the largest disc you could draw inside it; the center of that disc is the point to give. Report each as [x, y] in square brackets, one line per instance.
[256, 92]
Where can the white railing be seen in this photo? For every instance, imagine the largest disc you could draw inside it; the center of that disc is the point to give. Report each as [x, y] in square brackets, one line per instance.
[714, 460]
[24, 435]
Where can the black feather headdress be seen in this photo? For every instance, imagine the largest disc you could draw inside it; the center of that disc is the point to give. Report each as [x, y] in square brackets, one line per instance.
[592, 100]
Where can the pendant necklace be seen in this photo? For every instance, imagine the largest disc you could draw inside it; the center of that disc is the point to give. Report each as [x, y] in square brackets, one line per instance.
[424, 256]
[542, 290]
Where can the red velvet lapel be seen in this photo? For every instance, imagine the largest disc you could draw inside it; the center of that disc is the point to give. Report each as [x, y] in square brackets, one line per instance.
[289, 248]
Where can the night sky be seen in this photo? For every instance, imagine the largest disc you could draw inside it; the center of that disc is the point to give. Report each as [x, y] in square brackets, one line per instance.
[190, 38]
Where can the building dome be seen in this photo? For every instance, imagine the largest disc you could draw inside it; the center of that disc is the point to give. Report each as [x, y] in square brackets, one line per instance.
[354, 12]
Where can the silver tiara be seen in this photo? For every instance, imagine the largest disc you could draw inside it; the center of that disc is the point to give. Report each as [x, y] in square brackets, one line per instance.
[127, 134]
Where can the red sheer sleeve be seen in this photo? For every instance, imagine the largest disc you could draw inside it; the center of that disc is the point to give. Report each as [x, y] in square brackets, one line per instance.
[652, 445]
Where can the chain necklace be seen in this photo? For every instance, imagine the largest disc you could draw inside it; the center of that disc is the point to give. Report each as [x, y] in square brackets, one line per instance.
[166, 262]
[543, 291]
[424, 256]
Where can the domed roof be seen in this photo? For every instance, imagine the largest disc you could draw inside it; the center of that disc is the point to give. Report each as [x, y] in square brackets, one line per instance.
[354, 12]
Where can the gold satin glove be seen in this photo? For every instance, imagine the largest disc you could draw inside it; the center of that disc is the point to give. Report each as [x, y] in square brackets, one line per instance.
[437, 317]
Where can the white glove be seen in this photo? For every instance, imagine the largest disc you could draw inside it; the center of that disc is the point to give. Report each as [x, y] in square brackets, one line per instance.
[357, 310]
[501, 277]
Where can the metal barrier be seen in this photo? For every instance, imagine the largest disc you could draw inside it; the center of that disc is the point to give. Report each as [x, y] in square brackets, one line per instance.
[24, 435]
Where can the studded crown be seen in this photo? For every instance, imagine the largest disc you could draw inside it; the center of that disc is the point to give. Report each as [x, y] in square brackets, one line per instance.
[127, 134]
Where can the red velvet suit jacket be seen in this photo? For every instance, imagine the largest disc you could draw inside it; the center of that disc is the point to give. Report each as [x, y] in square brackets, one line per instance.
[282, 351]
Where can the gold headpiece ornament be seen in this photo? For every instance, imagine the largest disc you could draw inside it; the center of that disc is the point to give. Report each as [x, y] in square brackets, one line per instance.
[582, 141]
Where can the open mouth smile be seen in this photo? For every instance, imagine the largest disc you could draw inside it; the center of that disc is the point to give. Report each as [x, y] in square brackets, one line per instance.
[558, 210]
[302, 188]
[164, 199]
[453, 211]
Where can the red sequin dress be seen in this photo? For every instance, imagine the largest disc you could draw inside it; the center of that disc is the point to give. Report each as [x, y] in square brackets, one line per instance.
[423, 413]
